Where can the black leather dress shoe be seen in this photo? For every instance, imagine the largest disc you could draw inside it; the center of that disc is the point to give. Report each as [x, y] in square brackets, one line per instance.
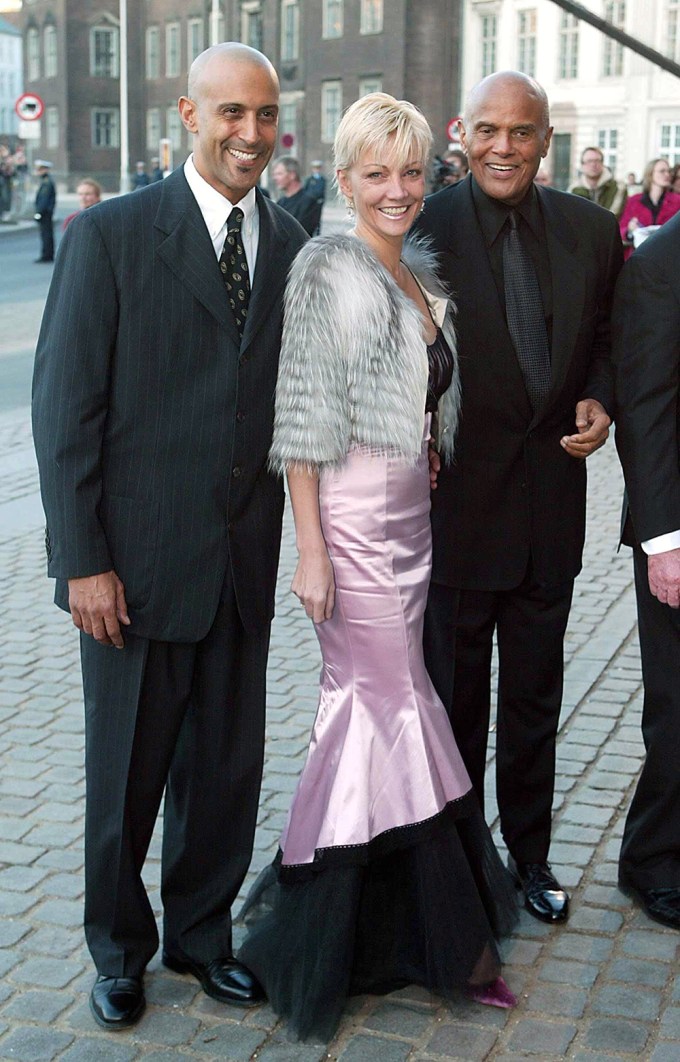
[117, 1002]
[663, 905]
[224, 979]
[544, 897]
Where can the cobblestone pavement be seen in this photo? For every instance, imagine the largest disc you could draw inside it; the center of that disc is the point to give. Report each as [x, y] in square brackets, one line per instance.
[602, 987]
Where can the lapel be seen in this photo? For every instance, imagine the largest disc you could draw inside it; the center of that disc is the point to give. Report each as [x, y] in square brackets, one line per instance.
[187, 250]
[568, 285]
[271, 268]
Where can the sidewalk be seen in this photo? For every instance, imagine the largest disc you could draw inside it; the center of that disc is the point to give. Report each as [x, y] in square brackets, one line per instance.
[601, 988]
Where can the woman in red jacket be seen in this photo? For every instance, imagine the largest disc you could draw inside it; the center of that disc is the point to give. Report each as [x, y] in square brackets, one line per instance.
[655, 204]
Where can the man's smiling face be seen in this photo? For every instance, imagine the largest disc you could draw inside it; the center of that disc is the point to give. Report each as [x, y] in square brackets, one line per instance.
[506, 134]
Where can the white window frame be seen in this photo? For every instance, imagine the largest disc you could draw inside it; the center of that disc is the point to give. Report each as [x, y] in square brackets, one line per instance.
[669, 142]
[671, 37]
[609, 142]
[370, 84]
[527, 21]
[372, 15]
[252, 15]
[50, 44]
[52, 128]
[290, 31]
[288, 117]
[195, 38]
[333, 19]
[152, 53]
[33, 53]
[173, 49]
[568, 50]
[153, 129]
[612, 55]
[331, 109]
[113, 128]
[174, 127]
[488, 29]
[97, 67]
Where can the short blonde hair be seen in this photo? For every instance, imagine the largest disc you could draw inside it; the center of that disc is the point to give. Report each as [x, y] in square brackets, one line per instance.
[388, 126]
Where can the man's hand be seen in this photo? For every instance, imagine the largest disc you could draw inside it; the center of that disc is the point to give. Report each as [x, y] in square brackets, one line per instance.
[593, 423]
[663, 570]
[98, 607]
[314, 584]
[435, 464]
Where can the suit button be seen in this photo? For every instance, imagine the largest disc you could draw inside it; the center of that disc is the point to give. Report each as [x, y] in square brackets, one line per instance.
[240, 416]
[236, 471]
[243, 358]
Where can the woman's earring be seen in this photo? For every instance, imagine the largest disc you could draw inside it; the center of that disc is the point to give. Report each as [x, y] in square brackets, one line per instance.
[350, 206]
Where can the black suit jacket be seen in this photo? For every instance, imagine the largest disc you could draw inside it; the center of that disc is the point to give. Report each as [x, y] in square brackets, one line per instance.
[646, 356]
[152, 420]
[513, 494]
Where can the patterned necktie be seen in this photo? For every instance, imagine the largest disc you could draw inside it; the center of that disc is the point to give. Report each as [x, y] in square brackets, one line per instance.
[234, 266]
[525, 315]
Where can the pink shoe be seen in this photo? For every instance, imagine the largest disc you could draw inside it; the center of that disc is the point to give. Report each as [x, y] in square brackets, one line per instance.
[494, 994]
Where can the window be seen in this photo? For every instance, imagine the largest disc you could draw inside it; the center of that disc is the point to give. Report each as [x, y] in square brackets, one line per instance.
[52, 127]
[290, 30]
[105, 127]
[669, 143]
[252, 25]
[331, 109]
[32, 54]
[608, 143]
[153, 53]
[153, 129]
[332, 18]
[104, 51]
[50, 50]
[371, 16]
[288, 119]
[172, 49]
[612, 65]
[174, 127]
[195, 39]
[673, 30]
[526, 42]
[489, 28]
[370, 84]
[568, 52]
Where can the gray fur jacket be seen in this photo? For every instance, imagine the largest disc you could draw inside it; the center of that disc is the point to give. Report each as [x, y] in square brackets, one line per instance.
[353, 366]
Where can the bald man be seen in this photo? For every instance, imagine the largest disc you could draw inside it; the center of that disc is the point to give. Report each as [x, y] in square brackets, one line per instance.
[532, 270]
[153, 403]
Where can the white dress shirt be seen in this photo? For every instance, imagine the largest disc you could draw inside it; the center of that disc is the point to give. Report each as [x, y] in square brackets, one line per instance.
[216, 209]
[662, 543]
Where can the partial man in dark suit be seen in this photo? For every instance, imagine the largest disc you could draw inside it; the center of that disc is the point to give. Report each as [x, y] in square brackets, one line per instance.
[532, 271]
[646, 355]
[153, 404]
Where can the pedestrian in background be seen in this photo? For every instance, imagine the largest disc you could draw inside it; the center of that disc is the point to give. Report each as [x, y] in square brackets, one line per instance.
[646, 354]
[156, 171]
[599, 184]
[533, 272]
[153, 404]
[89, 193]
[315, 187]
[286, 177]
[141, 178]
[45, 202]
[655, 204]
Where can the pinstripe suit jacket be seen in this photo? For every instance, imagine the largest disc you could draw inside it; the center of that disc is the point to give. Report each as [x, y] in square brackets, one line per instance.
[152, 419]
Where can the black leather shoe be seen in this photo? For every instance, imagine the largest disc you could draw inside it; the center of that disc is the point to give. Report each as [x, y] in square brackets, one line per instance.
[663, 905]
[117, 1002]
[223, 979]
[544, 897]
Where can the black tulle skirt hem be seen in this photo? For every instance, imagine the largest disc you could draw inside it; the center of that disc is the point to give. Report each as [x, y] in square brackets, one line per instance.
[427, 914]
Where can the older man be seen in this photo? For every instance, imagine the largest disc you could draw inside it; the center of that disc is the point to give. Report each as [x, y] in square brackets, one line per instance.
[646, 354]
[533, 271]
[153, 406]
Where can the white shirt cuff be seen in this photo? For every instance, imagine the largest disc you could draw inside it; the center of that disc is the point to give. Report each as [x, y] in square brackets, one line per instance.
[662, 543]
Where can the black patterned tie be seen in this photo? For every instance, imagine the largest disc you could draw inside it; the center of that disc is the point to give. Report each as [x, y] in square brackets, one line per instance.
[234, 266]
[525, 315]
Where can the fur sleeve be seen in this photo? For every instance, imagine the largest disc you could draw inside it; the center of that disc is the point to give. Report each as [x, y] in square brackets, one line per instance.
[311, 420]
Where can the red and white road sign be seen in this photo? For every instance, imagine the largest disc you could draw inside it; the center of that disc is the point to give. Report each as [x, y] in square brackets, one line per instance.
[29, 107]
[287, 140]
[452, 129]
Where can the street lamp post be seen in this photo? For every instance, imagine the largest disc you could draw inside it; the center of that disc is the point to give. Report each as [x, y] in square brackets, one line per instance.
[124, 128]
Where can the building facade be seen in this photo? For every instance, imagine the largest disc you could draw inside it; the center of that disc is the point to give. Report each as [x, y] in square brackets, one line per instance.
[11, 77]
[327, 52]
[600, 92]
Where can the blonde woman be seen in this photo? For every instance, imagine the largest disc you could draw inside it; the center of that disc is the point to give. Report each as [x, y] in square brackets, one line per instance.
[386, 874]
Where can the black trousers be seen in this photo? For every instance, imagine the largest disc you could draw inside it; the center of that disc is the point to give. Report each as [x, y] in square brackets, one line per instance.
[530, 621]
[46, 237]
[189, 716]
[650, 851]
